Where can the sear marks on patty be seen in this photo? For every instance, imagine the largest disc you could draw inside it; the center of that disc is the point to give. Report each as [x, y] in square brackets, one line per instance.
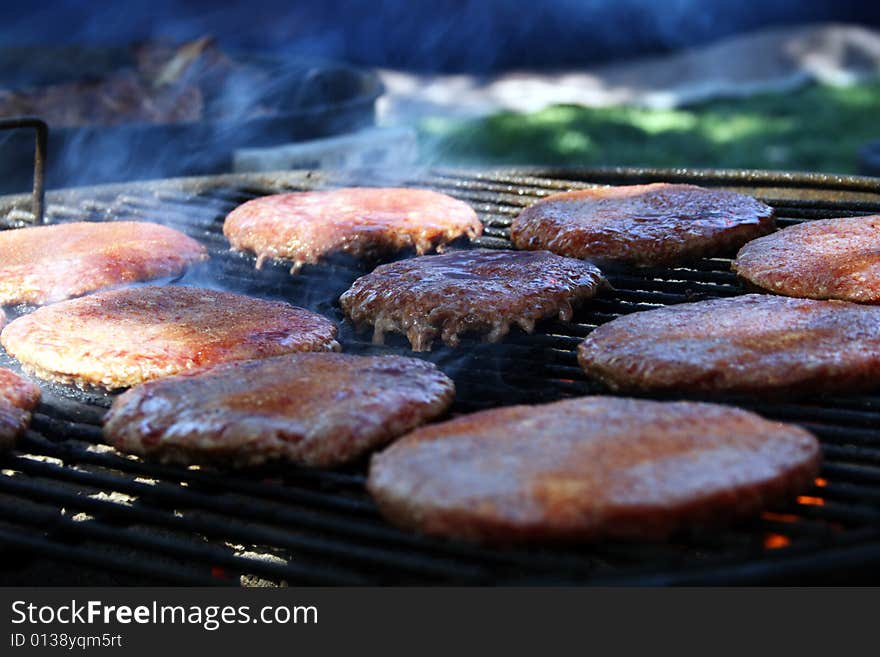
[824, 259]
[18, 397]
[361, 221]
[481, 290]
[124, 337]
[310, 409]
[749, 344]
[43, 264]
[589, 469]
[657, 224]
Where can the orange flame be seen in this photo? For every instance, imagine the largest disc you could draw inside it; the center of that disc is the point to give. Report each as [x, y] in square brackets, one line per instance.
[779, 517]
[776, 541]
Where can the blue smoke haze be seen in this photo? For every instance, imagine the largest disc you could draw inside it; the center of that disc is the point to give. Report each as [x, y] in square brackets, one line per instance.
[445, 35]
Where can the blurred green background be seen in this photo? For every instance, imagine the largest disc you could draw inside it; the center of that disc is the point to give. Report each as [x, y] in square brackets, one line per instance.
[815, 128]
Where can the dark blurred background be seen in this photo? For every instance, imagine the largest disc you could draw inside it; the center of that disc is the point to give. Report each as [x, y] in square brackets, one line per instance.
[443, 35]
[777, 84]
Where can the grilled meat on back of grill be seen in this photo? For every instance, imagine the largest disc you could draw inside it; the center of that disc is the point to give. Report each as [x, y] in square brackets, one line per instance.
[657, 224]
[88, 256]
[362, 221]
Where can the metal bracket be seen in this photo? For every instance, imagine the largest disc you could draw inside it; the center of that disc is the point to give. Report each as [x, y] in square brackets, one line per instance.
[42, 139]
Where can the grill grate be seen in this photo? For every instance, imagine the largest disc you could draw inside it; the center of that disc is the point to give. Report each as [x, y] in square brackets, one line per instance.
[68, 498]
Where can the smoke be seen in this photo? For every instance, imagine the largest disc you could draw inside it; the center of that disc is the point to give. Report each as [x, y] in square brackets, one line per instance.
[298, 37]
[446, 35]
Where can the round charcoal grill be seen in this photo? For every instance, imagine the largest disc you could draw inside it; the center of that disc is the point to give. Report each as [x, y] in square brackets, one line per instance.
[66, 499]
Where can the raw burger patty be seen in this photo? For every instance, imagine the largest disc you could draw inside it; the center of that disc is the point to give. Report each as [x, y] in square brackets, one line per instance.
[482, 290]
[749, 344]
[311, 409]
[658, 224]
[827, 259]
[588, 469]
[43, 264]
[17, 398]
[124, 337]
[306, 226]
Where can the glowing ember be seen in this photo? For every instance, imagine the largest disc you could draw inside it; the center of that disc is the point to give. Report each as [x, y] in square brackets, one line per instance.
[776, 541]
[779, 517]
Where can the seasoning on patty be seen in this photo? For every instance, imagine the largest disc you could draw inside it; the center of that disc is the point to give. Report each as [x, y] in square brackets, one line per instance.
[657, 224]
[748, 344]
[825, 259]
[124, 337]
[482, 291]
[361, 221]
[43, 264]
[589, 469]
[310, 409]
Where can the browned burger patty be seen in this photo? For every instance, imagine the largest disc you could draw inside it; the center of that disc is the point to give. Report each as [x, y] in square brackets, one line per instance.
[827, 259]
[312, 409]
[483, 290]
[749, 344]
[658, 224]
[124, 337]
[17, 398]
[306, 226]
[588, 469]
[43, 264]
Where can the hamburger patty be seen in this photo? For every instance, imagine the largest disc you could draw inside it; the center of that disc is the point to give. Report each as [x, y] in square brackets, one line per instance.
[588, 469]
[43, 264]
[124, 337]
[482, 290]
[312, 409]
[657, 224]
[749, 344]
[826, 259]
[306, 226]
[17, 398]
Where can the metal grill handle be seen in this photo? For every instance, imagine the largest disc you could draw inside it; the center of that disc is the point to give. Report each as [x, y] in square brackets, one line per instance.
[42, 139]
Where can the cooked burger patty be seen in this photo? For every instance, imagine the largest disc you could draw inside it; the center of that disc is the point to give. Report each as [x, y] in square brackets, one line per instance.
[749, 344]
[827, 259]
[124, 337]
[311, 409]
[17, 398]
[482, 290]
[588, 469]
[43, 264]
[658, 224]
[306, 226]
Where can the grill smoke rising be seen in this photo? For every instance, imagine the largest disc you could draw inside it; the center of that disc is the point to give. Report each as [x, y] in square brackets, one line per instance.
[475, 36]
[447, 35]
